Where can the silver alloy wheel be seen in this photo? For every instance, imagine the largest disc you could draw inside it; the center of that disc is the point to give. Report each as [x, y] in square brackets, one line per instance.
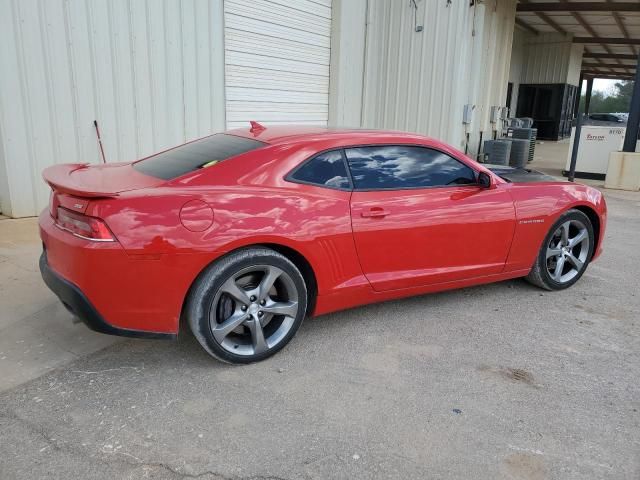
[254, 310]
[567, 251]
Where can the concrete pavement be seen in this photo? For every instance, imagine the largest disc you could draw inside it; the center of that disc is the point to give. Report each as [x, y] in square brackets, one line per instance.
[35, 332]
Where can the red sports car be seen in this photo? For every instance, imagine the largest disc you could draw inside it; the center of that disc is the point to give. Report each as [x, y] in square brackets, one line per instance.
[243, 234]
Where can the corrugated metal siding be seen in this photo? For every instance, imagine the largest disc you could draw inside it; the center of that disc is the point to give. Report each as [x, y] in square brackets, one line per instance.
[517, 61]
[499, 20]
[546, 59]
[348, 41]
[150, 72]
[420, 81]
[575, 64]
[277, 61]
[550, 58]
[412, 80]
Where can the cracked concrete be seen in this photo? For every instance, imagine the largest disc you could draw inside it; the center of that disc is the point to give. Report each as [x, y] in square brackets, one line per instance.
[119, 461]
[502, 381]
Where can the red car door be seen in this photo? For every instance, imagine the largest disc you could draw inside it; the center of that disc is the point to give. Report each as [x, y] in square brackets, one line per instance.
[419, 218]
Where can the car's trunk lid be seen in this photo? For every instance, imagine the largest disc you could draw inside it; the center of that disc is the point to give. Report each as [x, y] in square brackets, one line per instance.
[96, 181]
[74, 185]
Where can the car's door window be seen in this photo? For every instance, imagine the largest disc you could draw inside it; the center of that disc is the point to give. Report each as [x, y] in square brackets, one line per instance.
[405, 166]
[325, 170]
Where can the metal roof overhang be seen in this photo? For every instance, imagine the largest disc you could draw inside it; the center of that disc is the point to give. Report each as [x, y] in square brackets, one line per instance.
[609, 30]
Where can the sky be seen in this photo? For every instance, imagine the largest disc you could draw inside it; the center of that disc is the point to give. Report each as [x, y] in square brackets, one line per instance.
[603, 85]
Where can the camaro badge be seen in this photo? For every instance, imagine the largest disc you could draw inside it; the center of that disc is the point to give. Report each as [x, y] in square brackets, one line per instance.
[533, 220]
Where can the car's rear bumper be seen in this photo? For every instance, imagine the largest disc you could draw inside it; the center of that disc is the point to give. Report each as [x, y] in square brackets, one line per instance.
[80, 306]
[131, 293]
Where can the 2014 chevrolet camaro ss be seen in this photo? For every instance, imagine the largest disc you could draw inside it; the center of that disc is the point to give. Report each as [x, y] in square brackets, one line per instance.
[243, 234]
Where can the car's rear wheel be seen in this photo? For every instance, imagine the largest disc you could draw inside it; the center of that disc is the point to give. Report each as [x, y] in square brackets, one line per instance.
[565, 252]
[248, 305]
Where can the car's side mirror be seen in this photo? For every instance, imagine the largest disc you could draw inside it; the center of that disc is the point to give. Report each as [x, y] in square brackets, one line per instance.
[484, 180]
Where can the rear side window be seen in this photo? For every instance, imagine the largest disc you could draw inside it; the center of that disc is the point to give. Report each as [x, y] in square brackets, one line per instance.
[192, 156]
[405, 166]
[325, 170]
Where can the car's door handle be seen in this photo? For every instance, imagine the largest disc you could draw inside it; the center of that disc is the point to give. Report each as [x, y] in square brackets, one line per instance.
[374, 212]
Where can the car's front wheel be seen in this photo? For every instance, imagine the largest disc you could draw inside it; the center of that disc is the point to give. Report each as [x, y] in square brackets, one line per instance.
[565, 252]
[248, 305]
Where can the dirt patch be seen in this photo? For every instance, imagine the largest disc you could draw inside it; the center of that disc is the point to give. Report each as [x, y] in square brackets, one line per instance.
[519, 375]
[613, 314]
[525, 466]
[514, 374]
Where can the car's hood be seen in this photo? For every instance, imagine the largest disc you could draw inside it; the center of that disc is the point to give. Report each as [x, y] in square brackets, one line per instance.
[519, 175]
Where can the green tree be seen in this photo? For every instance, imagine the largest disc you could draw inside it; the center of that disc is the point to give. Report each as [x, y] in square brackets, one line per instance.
[619, 101]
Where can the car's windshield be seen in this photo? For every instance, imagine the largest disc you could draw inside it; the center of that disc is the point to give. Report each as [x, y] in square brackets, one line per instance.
[198, 154]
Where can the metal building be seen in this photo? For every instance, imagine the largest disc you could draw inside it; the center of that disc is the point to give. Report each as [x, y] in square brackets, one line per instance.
[157, 74]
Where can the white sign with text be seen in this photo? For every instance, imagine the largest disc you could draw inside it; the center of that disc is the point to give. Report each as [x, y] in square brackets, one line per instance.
[596, 143]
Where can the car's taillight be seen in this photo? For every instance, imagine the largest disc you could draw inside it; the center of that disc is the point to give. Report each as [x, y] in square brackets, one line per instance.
[84, 226]
[53, 203]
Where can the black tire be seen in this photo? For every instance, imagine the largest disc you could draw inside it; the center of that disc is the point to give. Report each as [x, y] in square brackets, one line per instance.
[208, 287]
[540, 275]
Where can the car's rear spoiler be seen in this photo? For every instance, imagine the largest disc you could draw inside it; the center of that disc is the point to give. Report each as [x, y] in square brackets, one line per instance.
[59, 178]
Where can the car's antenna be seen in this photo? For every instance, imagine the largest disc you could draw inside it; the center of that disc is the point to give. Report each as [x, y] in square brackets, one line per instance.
[95, 124]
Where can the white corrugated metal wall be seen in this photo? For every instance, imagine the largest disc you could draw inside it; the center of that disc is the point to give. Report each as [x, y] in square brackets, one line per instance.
[420, 81]
[348, 39]
[415, 80]
[277, 56]
[493, 74]
[575, 63]
[151, 74]
[518, 55]
[548, 59]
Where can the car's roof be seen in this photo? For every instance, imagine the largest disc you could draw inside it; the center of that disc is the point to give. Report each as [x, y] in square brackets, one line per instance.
[279, 134]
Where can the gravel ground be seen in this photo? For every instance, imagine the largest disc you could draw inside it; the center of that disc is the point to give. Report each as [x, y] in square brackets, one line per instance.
[499, 381]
